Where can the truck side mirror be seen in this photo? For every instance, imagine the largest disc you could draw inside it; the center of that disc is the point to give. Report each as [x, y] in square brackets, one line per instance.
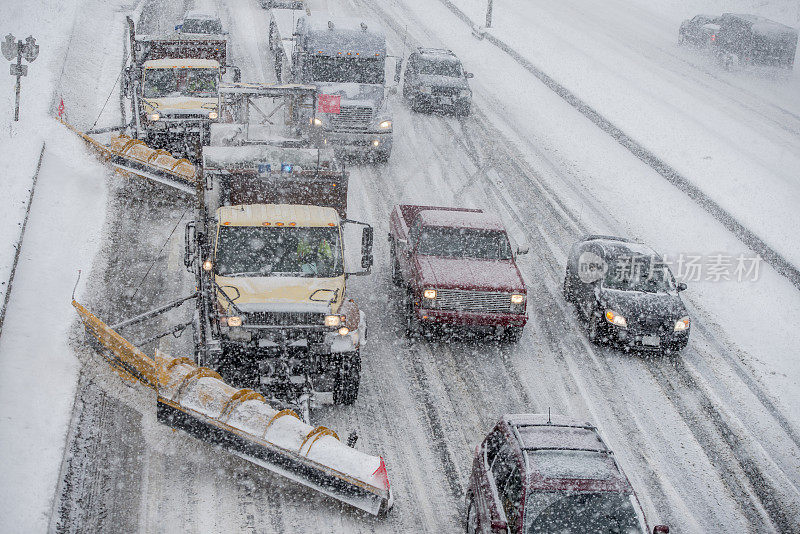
[523, 248]
[179, 27]
[366, 248]
[190, 238]
[682, 286]
[469, 75]
[661, 529]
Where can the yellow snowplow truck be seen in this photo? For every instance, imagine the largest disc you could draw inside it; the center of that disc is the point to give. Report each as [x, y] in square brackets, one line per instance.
[273, 311]
[172, 83]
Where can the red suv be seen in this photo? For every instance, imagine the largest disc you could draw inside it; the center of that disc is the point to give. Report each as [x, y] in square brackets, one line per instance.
[534, 474]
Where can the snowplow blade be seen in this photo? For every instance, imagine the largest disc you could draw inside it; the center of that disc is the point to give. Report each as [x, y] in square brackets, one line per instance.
[132, 156]
[195, 399]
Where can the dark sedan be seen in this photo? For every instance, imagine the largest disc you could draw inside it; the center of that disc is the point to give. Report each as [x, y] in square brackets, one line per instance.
[626, 294]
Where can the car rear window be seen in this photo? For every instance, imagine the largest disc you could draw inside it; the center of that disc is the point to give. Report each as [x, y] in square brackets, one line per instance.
[568, 464]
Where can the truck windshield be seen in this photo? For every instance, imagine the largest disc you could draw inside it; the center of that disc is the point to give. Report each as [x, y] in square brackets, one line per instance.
[587, 513]
[451, 69]
[211, 26]
[464, 243]
[347, 70]
[169, 83]
[279, 251]
[639, 273]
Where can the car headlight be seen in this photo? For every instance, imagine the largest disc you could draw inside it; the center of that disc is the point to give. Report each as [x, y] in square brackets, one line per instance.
[385, 124]
[682, 324]
[154, 116]
[616, 319]
[425, 90]
[333, 320]
[234, 321]
[517, 299]
[212, 115]
[465, 93]
[316, 121]
[429, 294]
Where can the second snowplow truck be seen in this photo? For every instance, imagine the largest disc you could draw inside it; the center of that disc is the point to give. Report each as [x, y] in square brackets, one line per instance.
[173, 86]
[274, 313]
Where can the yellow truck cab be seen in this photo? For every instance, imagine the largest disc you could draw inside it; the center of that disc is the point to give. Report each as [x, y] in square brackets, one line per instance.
[280, 308]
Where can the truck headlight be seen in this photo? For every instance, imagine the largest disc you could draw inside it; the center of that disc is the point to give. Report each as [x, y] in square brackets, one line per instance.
[315, 121]
[385, 124]
[333, 320]
[208, 265]
[343, 331]
[616, 319]
[682, 324]
[212, 115]
[234, 321]
[154, 116]
[429, 294]
[465, 93]
[517, 299]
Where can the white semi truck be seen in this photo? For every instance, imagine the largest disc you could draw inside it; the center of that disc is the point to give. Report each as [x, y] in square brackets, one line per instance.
[346, 60]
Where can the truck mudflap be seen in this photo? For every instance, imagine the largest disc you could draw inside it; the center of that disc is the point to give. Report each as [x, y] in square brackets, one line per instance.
[132, 156]
[196, 400]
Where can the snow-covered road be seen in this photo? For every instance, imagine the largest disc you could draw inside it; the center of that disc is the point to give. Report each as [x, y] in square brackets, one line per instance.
[709, 439]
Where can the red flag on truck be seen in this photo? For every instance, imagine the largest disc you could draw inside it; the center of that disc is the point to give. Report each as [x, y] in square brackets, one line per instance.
[329, 104]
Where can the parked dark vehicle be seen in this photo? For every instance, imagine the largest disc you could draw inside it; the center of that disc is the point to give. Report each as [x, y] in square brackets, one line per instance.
[626, 294]
[754, 40]
[435, 80]
[699, 31]
[536, 474]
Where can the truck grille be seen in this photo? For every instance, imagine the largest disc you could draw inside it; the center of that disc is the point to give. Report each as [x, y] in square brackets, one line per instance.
[474, 301]
[285, 318]
[352, 118]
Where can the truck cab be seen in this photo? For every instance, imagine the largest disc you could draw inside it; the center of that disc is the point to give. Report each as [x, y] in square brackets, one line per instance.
[346, 60]
[457, 267]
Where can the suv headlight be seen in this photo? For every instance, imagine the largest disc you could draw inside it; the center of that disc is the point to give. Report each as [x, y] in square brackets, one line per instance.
[465, 93]
[333, 320]
[616, 319]
[153, 116]
[385, 124]
[429, 294]
[315, 121]
[682, 324]
[212, 115]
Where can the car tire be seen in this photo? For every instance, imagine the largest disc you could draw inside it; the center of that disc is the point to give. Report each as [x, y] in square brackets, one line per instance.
[471, 522]
[348, 379]
[413, 327]
[593, 329]
[397, 276]
[568, 293]
[512, 334]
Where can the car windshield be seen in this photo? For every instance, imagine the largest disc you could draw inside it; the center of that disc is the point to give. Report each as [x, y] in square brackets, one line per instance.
[639, 273]
[582, 513]
[464, 243]
[451, 69]
[171, 83]
[212, 26]
[346, 70]
[282, 251]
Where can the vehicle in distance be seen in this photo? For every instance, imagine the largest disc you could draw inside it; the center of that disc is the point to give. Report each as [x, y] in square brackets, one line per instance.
[197, 22]
[626, 294]
[699, 31]
[537, 474]
[458, 268]
[435, 80]
[754, 40]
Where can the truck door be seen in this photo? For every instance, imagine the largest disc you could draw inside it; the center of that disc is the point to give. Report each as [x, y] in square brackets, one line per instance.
[407, 251]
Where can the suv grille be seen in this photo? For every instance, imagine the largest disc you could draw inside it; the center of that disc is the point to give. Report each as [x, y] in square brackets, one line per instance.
[476, 301]
[352, 118]
[285, 318]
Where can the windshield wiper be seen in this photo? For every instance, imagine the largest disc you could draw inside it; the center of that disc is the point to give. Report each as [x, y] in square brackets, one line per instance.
[245, 273]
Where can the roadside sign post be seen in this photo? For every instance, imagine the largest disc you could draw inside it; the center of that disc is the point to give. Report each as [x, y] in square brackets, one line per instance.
[489, 13]
[28, 50]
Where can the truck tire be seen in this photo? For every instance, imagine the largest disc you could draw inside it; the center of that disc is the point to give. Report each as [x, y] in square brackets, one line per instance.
[397, 276]
[348, 378]
[512, 334]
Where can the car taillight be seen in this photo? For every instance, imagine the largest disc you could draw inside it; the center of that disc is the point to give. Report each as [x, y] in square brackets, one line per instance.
[713, 37]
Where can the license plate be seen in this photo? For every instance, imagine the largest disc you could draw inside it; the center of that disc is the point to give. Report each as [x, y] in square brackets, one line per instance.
[651, 341]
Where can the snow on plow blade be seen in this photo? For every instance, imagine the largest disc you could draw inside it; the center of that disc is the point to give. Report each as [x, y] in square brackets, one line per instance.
[195, 399]
[132, 156]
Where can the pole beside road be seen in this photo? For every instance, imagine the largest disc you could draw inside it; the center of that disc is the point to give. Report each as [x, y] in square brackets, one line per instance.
[28, 50]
